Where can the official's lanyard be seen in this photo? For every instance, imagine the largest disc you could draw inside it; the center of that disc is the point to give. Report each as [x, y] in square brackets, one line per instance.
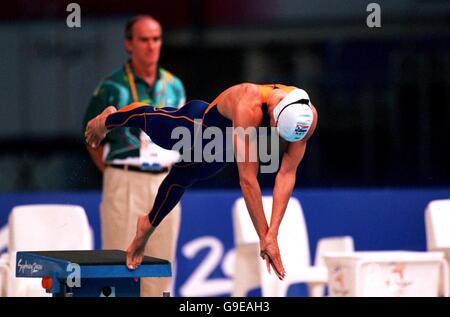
[134, 90]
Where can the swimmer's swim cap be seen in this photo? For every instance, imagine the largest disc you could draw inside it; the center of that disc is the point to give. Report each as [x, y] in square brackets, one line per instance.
[293, 115]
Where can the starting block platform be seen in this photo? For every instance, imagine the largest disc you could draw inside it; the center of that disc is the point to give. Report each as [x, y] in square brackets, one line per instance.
[91, 273]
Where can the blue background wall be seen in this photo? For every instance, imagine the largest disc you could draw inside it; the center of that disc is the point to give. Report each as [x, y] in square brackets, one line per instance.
[377, 219]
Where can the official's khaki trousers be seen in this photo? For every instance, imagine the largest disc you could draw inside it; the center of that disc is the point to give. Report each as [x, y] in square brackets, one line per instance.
[126, 195]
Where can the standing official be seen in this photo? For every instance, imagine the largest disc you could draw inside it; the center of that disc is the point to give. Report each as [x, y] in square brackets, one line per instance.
[133, 166]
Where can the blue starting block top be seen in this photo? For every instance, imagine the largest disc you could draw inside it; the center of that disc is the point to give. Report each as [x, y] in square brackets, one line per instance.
[92, 264]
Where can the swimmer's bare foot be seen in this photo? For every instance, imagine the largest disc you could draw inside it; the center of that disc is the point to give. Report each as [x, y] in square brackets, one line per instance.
[95, 129]
[135, 252]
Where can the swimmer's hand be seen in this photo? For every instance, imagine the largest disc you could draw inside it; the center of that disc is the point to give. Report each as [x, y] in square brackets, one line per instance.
[271, 254]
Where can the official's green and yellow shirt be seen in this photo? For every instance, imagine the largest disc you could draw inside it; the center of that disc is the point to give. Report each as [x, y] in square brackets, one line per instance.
[123, 145]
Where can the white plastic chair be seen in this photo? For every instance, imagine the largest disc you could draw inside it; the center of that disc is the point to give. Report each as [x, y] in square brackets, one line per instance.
[342, 244]
[4, 259]
[43, 227]
[437, 225]
[437, 222]
[251, 272]
[386, 273]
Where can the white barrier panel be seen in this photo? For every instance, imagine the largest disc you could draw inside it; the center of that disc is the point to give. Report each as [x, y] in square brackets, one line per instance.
[386, 273]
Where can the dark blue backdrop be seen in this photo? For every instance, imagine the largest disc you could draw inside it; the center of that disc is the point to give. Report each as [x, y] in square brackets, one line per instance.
[377, 219]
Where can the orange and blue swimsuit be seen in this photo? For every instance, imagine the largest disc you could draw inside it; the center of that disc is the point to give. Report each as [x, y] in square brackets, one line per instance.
[159, 123]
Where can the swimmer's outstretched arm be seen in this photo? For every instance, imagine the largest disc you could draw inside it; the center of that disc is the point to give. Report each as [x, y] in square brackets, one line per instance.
[282, 191]
[245, 149]
[251, 191]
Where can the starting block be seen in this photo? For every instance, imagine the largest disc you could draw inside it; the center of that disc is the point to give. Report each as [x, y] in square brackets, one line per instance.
[93, 273]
